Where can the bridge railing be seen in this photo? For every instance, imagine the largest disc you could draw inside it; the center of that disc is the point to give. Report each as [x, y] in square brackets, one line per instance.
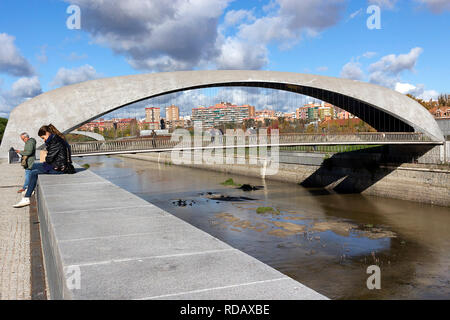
[166, 143]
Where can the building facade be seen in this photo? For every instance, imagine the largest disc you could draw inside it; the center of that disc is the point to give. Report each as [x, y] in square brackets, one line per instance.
[153, 118]
[221, 113]
[172, 113]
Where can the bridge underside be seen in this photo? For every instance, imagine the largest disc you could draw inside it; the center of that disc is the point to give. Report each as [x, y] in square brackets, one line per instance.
[377, 119]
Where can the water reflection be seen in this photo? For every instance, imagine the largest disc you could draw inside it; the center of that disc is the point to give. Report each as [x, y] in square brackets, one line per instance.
[324, 240]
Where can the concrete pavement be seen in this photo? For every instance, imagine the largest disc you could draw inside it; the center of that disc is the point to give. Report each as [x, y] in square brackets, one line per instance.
[102, 242]
[15, 271]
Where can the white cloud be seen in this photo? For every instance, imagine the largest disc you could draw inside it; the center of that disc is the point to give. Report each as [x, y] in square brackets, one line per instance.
[144, 31]
[352, 70]
[369, 54]
[11, 60]
[21, 90]
[387, 70]
[66, 77]
[186, 100]
[75, 56]
[42, 57]
[285, 23]
[236, 54]
[155, 35]
[26, 88]
[436, 6]
[354, 14]
[385, 4]
[417, 91]
[234, 17]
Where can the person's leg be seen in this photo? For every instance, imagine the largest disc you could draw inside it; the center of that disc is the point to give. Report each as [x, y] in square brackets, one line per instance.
[33, 181]
[38, 168]
[27, 179]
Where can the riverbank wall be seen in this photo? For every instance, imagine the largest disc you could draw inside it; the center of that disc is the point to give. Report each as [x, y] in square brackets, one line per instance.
[342, 173]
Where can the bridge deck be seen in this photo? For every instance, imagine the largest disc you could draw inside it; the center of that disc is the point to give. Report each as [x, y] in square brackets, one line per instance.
[161, 144]
[100, 153]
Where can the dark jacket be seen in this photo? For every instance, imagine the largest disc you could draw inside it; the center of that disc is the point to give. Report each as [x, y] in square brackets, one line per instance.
[57, 153]
[30, 152]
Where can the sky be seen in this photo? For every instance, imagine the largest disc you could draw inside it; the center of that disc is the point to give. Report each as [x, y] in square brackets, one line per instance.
[41, 51]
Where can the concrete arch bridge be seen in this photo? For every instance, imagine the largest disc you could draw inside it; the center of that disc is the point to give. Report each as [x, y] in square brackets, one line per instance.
[72, 106]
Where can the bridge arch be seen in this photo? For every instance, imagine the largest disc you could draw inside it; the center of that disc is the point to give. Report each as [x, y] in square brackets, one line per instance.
[71, 106]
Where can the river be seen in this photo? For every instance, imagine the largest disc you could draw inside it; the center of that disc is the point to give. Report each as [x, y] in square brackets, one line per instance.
[324, 240]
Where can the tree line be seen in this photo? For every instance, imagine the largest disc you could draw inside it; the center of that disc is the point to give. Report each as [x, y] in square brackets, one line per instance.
[3, 123]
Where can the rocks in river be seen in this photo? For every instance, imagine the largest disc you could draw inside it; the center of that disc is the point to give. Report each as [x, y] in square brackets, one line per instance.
[248, 187]
[221, 197]
[183, 203]
[180, 203]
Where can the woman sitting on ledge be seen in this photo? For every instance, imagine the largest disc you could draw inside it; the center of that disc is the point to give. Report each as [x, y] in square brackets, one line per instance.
[56, 162]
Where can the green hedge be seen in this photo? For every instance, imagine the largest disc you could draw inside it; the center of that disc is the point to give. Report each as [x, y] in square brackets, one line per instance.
[3, 123]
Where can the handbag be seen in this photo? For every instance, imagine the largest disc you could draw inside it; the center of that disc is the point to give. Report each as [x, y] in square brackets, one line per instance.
[69, 169]
[24, 162]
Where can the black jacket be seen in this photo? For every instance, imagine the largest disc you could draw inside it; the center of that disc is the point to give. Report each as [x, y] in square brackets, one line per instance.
[57, 153]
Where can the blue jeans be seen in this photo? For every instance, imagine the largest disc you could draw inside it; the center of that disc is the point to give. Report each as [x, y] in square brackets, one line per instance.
[27, 178]
[37, 169]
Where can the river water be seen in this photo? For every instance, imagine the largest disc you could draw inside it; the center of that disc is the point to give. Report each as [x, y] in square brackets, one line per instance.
[325, 241]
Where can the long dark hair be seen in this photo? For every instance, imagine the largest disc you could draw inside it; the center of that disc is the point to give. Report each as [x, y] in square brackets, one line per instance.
[52, 129]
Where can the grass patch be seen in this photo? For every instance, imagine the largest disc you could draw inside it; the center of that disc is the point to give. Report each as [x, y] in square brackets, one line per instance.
[230, 182]
[262, 210]
[86, 166]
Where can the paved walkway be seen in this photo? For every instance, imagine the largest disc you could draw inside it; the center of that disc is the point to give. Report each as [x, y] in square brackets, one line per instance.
[110, 244]
[15, 269]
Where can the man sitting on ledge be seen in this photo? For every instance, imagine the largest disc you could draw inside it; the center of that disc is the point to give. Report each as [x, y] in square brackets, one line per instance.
[56, 162]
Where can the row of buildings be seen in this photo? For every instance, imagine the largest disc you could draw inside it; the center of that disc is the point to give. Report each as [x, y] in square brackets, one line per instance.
[217, 115]
[322, 112]
[225, 112]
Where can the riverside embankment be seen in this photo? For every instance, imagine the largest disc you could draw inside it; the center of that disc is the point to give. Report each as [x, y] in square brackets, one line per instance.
[424, 183]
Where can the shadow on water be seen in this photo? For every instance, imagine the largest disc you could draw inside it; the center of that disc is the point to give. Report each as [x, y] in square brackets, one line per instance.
[355, 171]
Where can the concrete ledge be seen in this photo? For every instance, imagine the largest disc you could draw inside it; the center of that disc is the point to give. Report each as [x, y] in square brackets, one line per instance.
[126, 248]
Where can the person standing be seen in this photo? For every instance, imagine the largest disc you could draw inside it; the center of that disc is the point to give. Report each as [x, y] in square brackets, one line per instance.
[153, 139]
[29, 152]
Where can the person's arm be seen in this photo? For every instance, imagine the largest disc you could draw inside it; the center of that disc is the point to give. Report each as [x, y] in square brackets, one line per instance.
[52, 152]
[29, 148]
[69, 151]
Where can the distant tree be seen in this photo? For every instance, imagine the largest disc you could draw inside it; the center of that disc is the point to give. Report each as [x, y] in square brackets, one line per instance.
[444, 100]
[3, 123]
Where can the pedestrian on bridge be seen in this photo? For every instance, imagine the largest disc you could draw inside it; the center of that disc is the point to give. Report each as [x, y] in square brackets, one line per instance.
[56, 161]
[153, 139]
[28, 158]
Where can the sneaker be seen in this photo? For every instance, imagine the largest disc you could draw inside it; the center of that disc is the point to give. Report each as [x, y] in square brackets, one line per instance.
[23, 203]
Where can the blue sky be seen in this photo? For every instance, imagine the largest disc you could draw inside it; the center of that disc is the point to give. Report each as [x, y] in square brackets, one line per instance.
[328, 37]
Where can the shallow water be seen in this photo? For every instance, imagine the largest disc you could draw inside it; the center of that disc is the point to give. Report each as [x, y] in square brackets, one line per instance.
[325, 241]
